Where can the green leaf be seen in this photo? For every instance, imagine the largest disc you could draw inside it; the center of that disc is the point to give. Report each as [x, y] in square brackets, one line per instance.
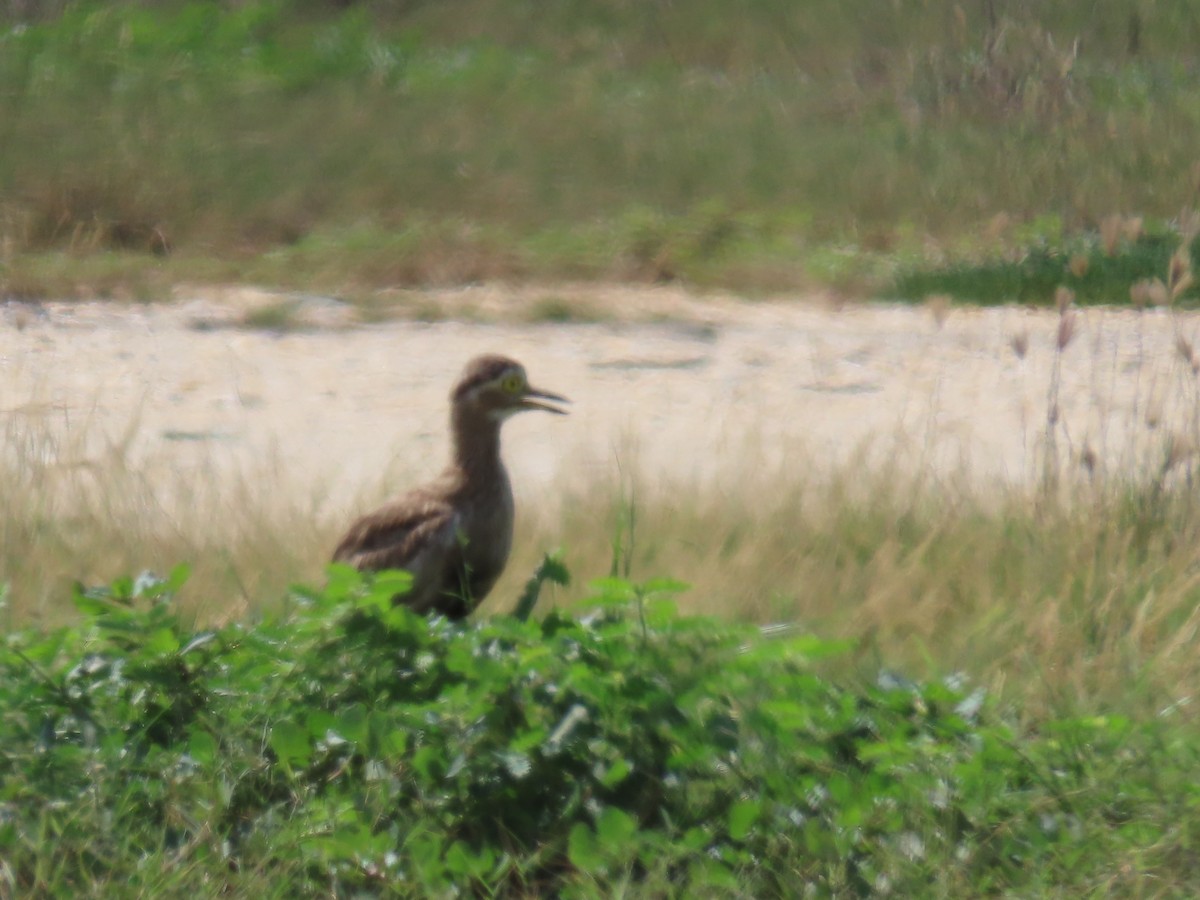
[525, 741]
[429, 762]
[352, 723]
[780, 646]
[342, 582]
[122, 589]
[390, 583]
[178, 578]
[707, 874]
[202, 747]
[812, 647]
[319, 723]
[460, 861]
[661, 612]
[554, 569]
[612, 591]
[615, 827]
[665, 586]
[582, 848]
[47, 648]
[551, 569]
[92, 602]
[789, 714]
[163, 641]
[616, 773]
[695, 839]
[385, 735]
[742, 817]
[290, 743]
[425, 848]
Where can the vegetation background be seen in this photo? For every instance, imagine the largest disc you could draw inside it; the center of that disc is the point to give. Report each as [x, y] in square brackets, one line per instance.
[973, 695]
[760, 145]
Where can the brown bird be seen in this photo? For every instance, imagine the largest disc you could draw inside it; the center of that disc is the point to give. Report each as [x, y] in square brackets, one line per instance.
[454, 534]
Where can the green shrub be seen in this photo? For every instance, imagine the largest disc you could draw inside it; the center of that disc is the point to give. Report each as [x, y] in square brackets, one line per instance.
[349, 745]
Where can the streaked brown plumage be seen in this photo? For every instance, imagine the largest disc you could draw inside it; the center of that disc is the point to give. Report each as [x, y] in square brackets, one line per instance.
[454, 534]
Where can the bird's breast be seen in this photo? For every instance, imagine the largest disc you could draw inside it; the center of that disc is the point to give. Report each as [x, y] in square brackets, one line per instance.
[488, 527]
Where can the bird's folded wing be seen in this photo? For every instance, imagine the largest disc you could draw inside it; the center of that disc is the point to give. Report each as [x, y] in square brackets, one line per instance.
[414, 536]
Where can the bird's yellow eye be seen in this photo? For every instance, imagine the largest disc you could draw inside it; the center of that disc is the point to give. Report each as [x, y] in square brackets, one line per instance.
[512, 383]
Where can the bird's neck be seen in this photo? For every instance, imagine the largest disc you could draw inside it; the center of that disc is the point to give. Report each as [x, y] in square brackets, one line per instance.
[476, 444]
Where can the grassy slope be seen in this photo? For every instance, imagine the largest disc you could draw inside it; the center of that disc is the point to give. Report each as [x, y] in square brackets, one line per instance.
[447, 143]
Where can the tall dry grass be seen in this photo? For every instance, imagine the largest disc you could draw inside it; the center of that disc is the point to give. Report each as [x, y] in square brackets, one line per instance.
[1078, 589]
[1093, 601]
[1089, 601]
[83, 506]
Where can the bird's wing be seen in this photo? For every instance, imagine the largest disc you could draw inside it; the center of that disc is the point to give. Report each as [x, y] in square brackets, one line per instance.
[417, 534]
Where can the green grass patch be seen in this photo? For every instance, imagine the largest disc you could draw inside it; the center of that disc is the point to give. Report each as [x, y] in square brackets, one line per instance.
[595, 141]
[1031, 276]
[346, 745]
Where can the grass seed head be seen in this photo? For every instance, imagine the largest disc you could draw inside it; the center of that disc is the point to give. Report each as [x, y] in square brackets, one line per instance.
[939, 307]
[1020, 343]
[1158, 292]
[1178, 451]
[998, 227]
[1185, 350]
[1063, 298]
[1189, 225]
[1066, 330]
[1110, 233]
[1088, 459]
[1079, 265]
[1179, 274]
[1140, 294]
[22, 317]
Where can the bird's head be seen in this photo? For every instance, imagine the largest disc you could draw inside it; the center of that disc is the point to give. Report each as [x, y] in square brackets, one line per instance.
[497, 387]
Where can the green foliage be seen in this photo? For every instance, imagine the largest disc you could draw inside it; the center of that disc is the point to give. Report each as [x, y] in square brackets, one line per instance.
[351, 746]
[1033, 275]
[496, 140]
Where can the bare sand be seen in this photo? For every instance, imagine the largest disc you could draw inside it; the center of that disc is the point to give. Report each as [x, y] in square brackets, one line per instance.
[678, 385]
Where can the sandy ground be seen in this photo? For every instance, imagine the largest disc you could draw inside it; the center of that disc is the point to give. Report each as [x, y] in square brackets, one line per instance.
[691, 387]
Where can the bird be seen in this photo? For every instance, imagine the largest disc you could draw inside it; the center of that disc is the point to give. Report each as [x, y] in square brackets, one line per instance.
[454, 534]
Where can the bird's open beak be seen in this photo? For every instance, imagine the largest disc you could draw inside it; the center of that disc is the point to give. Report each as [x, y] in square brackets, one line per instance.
[532, 399]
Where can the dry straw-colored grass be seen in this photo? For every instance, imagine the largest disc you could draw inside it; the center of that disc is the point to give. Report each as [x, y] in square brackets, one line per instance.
[1082, 591]
[81, 506]
[1083, 602]
[1092, 601]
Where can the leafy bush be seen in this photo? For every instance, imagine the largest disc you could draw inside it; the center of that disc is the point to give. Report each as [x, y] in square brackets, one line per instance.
[349, 745]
